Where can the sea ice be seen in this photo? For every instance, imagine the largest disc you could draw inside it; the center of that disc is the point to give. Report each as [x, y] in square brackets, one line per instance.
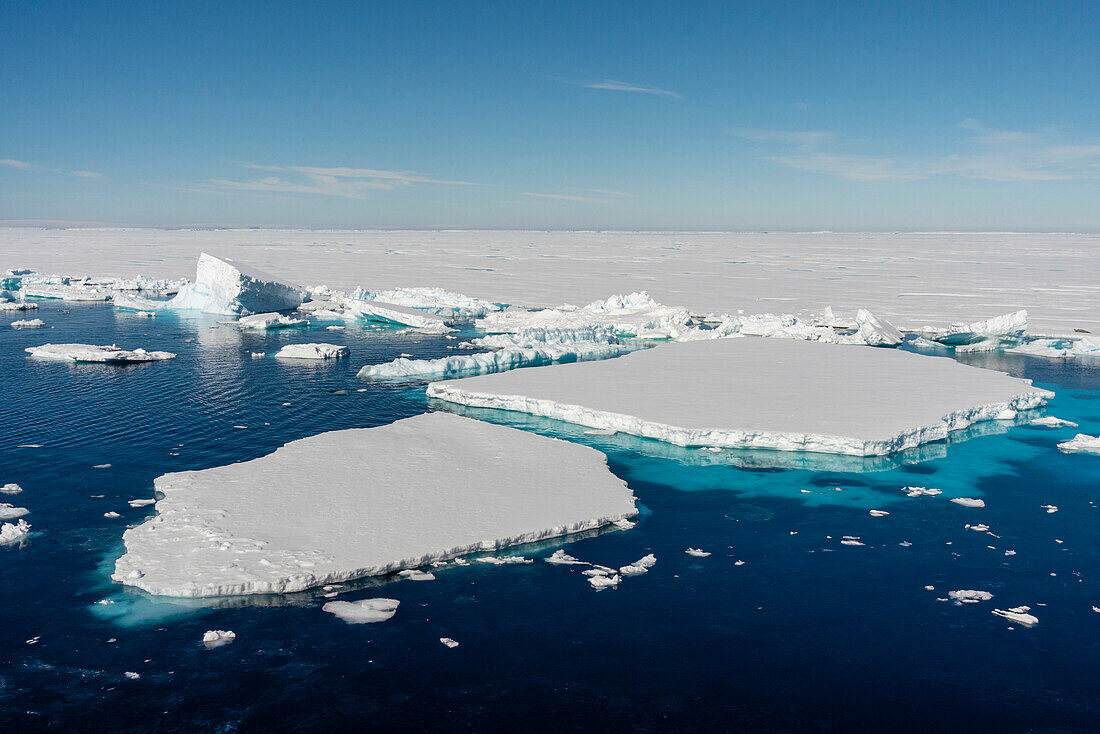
[1007, 325]
[969, 596]
[640, 566]
[488, 362]
[413, 574]
[698, 553]
[14, 532]
[603, 582]
[1081, 443]
[1020, 617]
[365, 502]
[1051, 509]
[366, 611]
[878, 513]
[67, 292]
[877, 332]
[11, 512]
[27, 323]
[759, 393]
[968, 501]
[223, 286]
[217, 638]
[1049, 421]
[312, 351]
[264, 321]
[391, 313]
[448, 642]
[921, 491]
[11, 488]
[93, 353]
[562, 558]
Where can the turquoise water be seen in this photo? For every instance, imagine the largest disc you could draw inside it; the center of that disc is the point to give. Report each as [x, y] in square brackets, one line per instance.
[806, 634]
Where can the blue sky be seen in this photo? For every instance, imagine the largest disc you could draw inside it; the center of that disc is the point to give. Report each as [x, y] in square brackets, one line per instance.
[631, 115]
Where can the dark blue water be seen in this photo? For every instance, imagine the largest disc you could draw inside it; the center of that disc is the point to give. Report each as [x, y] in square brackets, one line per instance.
[808, 634]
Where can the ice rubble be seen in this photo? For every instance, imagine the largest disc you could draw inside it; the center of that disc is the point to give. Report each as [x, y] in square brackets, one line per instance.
[1011, 325]
[759, 393]
[876, 332]
[1082, 443]
[93, 353]
[264, 321]
[316, 350]
[14, 532]
[366, 611]
[223, 286]
[363, 502]
[27, 323]
[394, 314]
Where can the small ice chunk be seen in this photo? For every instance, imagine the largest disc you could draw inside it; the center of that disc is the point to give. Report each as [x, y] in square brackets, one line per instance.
[217, 638]
[921, 491]
[141, 503]
[13, 533]
[131, 675]
[101, 466]
[11, 512]
[263, 321]
[11, 488]
[562, 558]
[640, 566]
[366, 611]
[1081, 443]
[980, 528]
[312, 351]
[878, 513]
[112, 515]
[27, 324]
[1049, 421]
[1027, 620]
[448, 642]
[413, 574]
[1051, 509]
[969, 596]
[603, 582]
[847, 540]
[601, 432]
[624, 524]
[504, 560]
[259, 355]
[697, 552]
[968, 501]
[929, 588]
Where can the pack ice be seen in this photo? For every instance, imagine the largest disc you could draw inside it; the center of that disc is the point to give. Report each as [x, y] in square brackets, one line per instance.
[223, 286]
[782, 394]
[365, 502]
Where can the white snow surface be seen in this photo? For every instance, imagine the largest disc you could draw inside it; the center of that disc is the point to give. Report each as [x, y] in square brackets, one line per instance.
[93, 353]
[909, 279]
[1081, 443]
[364, 502]
[317, 350]
[366, 611]
[224, 286]
[760, 393]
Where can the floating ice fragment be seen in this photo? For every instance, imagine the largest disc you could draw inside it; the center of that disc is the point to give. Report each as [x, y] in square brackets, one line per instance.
[217, 638]
[847, 540]
[1049, 421]
[969, 596]
[968, 501]
[601, 432]
[101, 466]
[1027, 620]
[131, 675]
[1081, 443]
[562, 558]
[1008, 325]
[1051, 509]
[11, 512]
[624, 524]
[878, 513]
[876, 332]
[112, 515]
[504, 560]
[262, 321]
[259, 355]
[603, 582]
[929, 588]
[27, 324]
[640, 566]
[12, 533]
[312, 351]
[93, 353]
[448, 642]
[739, 563]
[697, 552]
[366, 611]
[11, 488]
[141, 502]
[980, 527]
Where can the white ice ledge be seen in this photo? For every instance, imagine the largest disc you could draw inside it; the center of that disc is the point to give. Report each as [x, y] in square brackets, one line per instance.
[366, 502]
[779, 394]
[93, 353]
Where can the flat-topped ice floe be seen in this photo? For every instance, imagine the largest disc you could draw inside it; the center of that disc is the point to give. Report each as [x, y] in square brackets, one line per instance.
[312, 351]
[264, 321]
[93, 353]
[365, 502]
[223, 286]
[779, 394]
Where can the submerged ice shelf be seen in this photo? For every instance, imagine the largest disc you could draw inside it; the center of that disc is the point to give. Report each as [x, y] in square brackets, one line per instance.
[781, 394]
[365, 502]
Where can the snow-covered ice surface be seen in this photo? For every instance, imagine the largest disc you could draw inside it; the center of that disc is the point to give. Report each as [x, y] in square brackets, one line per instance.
[268, 321]
[93, 353]
[363, 502]
[313, 350]
[11, 533]
[365, 611]
[1081, 443]
[223, 286]
[27, 323]
[760, 393]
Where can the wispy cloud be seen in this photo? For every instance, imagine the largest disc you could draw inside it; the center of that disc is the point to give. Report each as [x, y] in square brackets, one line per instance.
[987, 154]
[617, 86]
[564, 197]
[24, 166]
[349, 183]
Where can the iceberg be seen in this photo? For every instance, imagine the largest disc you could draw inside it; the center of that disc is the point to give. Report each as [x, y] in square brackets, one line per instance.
[217, 638]
[11, 512]
[27, 323]
[366, 611]
[876, 332]
[312, 351]
[391, 313]
[366, 502]
[14, 532]
[777, 394]
[223, 286]
[263, 321]
[1081, 443]
[130, 302]
[1019, 615]
[92, 353]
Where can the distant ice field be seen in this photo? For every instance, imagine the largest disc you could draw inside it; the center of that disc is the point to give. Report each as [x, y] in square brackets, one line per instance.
[910, 279]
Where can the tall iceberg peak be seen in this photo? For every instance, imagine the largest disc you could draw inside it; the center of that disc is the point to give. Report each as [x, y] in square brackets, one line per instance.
[223, 286]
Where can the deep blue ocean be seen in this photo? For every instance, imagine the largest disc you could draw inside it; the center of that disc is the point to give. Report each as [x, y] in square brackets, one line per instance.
[806, 635]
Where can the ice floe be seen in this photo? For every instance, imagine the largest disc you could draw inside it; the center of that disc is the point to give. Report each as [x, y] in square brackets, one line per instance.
[1051, 509]
[265, 321]
[14, 532]
[1049, 421]
[223, 286]
[312, 351]
[363, 502]
[760, 393]
[697, 552]
[640, 566]
[448, 642]
[217, 638]
[1007, 325]
[561, 558]
[366, 611]
[93, 353]
[1019, 615]
[876, 332]
[1081, 443]
[11, 488]
[487, 362]
[921, 491]
[11, 512]
[969, 596]
[27, 323]
[968, 501]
